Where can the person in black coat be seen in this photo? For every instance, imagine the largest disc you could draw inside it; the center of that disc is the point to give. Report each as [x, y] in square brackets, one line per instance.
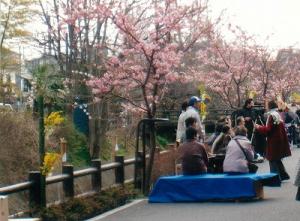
[251, 115]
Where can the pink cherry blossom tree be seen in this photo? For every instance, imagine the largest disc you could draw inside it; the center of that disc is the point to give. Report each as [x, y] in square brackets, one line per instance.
[150, 56]
[228, 67]
[264, 72]
[277, 76]
[151, 51]
[285, 73]
[81, 36]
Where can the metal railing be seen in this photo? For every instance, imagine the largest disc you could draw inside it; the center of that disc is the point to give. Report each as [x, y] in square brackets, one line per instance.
[211, 113]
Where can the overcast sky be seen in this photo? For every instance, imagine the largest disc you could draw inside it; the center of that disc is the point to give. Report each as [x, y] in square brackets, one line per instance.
[278, 19]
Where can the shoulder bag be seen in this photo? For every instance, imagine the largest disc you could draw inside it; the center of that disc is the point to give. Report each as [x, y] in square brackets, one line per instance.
[251, 166]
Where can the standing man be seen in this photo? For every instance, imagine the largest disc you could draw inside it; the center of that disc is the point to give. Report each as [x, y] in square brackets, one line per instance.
[181, 123]
[249, 115]
[291, 121]
[193, 111]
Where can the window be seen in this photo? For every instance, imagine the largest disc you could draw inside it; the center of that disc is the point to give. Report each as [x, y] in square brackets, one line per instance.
[26, 85]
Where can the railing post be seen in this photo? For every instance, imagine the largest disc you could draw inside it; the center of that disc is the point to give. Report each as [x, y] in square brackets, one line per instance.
[119, 171]
[96, 177]
[138, 170]
[68, 184]
[3, 208]
[37, 197]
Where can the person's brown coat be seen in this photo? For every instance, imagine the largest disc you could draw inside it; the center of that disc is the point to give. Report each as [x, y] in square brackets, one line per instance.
[193, 158]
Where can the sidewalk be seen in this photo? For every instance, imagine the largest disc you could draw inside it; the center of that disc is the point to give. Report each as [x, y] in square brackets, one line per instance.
[279, 205]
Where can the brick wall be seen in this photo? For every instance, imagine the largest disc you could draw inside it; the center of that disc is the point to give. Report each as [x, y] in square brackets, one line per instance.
[164, 163]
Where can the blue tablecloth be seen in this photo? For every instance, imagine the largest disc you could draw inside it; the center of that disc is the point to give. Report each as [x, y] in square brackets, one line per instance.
[208, 187]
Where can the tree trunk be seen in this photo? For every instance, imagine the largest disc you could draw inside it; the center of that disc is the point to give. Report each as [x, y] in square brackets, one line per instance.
[41, 129]
[152, 146]
[96, 144]
[99, 129]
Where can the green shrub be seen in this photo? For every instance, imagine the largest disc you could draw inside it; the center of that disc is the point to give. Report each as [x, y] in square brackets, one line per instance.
[121, 151]
[77, 150]
[87, 207]
[77, 143]
[105, 150]
[162, 142]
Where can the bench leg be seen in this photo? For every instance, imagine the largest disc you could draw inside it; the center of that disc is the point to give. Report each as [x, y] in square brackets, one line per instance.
[259, 190]
[178, 169]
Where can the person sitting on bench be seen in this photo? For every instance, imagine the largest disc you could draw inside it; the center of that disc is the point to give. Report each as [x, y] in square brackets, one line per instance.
[220, 144]
[240, 121]
[192, 154]
[235, 159]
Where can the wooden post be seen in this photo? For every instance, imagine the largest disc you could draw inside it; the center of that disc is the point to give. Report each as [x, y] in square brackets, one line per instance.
[63, 150]
[119, 171]
[96, 177]
[3, 208]
[68, 184]
[37, 197]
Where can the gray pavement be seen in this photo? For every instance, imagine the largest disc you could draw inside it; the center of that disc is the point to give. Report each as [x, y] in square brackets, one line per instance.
[278, 205]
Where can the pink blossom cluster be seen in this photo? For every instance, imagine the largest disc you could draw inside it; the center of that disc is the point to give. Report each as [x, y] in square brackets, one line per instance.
[150, 55]
[76, 10]
[229, 68]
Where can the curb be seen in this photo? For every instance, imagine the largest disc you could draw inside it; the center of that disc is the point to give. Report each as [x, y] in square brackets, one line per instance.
[116, 210]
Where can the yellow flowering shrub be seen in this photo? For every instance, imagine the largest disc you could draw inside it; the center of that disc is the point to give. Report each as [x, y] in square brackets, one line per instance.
[295, 97]
[203, 110]
[252, 94]
[50, 160]
[54, 119]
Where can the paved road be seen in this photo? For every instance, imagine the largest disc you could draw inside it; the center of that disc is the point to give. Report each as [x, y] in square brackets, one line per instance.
[279, 205]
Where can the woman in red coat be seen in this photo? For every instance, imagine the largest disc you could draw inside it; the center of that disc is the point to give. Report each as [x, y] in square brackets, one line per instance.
[277, 141]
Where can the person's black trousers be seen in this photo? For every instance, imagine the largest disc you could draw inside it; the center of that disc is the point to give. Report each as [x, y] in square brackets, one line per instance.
[298, 194]
[277, 166]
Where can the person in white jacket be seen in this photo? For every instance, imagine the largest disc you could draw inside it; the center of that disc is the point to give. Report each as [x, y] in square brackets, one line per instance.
[181, 123]
[193, 111]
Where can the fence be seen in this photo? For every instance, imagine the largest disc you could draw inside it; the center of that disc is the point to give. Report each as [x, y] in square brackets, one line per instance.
[212, 114]
[209, 121]
[67, 178]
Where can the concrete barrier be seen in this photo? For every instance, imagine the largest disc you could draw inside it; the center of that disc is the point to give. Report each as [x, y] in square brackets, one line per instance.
[4, 211]
[3, 208]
